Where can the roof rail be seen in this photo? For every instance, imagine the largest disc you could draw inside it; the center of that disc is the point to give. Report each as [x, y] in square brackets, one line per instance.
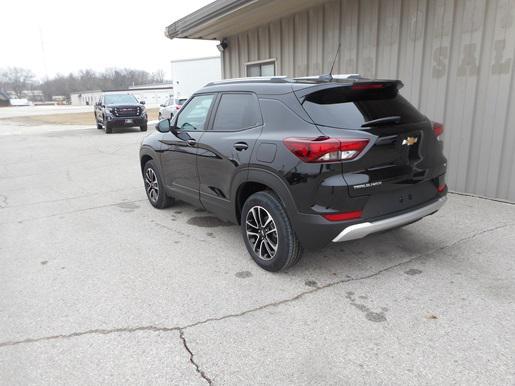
[328, 77]
[257, 79]
[284, 79]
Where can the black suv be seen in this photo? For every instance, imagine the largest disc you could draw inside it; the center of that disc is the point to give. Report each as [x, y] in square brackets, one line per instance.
[120, 110]
[299, 163]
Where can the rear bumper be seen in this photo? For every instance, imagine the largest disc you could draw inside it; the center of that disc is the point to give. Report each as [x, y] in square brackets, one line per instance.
[358, 231]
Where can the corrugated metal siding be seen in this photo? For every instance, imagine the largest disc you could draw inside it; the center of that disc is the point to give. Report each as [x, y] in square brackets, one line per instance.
[454, 56]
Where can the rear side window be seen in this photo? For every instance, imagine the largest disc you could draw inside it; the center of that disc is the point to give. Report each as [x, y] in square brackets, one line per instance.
[344, 108]
[237, 112]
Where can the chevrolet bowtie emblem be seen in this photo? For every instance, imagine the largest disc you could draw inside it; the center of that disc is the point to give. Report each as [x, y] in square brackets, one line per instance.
[410, 141]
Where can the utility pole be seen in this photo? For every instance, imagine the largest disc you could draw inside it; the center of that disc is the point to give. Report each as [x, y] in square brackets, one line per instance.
[43, 54]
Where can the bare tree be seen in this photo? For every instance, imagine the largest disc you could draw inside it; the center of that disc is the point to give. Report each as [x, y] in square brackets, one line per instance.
[16, 79]
[158, 76]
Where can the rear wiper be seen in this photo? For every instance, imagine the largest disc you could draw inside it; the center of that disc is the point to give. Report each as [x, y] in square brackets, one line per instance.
[382, 121]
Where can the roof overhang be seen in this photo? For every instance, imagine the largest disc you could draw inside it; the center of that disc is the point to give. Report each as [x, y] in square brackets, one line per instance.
[223, 18]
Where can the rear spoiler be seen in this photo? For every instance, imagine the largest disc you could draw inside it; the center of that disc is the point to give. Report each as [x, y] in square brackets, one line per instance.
[357, 85]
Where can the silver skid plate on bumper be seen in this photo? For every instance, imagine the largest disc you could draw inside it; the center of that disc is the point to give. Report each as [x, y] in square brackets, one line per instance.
[359, 231]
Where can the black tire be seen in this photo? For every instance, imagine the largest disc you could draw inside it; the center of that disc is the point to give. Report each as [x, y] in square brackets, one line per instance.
[143, 127]
[160, 200]
[288, 250]
[159, 116]
[99, 126]
[107, 127]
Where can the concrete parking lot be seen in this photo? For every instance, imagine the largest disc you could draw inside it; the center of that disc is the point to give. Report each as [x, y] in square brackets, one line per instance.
[98, 287]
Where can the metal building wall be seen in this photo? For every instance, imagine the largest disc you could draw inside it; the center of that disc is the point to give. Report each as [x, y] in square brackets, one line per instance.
[455, 58]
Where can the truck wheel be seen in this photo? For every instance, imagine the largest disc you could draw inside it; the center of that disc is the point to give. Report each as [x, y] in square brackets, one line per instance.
[143, 127]
[154, 187]
[99, 126]
[268, 234]
[107, 127]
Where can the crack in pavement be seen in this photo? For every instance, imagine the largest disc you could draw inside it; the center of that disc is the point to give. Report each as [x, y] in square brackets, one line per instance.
[98, 331]
[152, 328]
[500, 200]
[249, 311]
[192, 360]
[348, 280]
[55, 170]
[178, 231]
[72, 212]
[74, 197]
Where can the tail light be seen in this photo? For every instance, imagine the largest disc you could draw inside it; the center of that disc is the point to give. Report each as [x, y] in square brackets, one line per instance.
[441, 188]
[438, 129]
[325, 149]
[367, 86]
[178, 107]
[343, 216]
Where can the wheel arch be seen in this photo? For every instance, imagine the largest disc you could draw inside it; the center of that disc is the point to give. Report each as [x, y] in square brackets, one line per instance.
[259, 180]
[147, 154]
[144, 160]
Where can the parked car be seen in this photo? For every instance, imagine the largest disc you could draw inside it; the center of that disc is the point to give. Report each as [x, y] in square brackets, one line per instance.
[170, 107]
[120, 110]
[299, 163]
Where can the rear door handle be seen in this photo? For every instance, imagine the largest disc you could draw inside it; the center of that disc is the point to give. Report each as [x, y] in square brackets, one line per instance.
[240, 146]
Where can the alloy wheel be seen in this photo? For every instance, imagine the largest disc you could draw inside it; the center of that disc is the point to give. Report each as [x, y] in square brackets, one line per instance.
[152, 185]
[262, 232]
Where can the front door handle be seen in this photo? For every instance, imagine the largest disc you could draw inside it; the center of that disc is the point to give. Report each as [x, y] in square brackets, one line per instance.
[240, 146]
[191, 142]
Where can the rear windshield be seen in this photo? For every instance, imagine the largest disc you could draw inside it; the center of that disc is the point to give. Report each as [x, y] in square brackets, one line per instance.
[342, 107]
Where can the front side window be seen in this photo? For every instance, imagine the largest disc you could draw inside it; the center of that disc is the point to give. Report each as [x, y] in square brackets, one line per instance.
[237, 112]
[194, 115]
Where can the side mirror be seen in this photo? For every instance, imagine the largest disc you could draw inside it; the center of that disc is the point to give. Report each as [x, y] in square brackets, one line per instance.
[163, 126]
[142, 102]
[162, 105]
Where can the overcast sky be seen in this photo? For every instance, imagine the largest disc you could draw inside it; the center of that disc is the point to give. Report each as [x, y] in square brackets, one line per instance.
[62, 36]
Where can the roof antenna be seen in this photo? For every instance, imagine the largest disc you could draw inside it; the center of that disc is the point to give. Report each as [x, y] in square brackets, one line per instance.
[329, 77]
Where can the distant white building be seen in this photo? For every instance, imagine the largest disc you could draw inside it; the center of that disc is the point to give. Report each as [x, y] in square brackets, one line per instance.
[152, 94]
[189, 75]
[33, 95]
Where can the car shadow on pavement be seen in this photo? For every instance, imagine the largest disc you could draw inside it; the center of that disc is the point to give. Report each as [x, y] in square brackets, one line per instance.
[372, 253]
